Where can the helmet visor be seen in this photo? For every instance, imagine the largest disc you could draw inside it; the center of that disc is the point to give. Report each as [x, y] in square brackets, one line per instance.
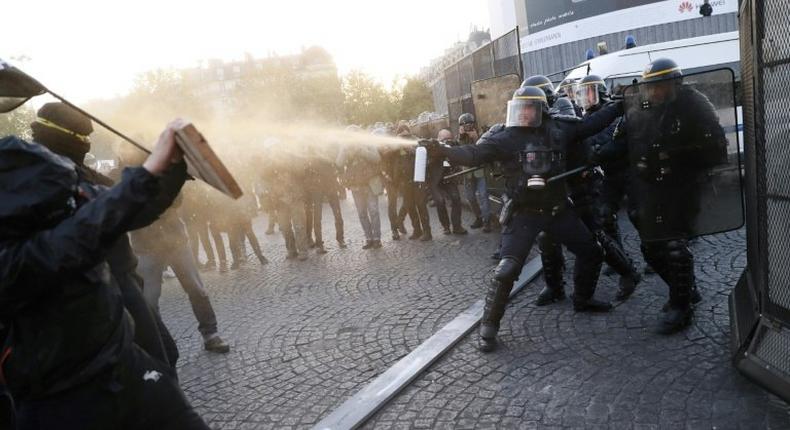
[568, 89]
[524, 112]
[658, 92]
[587, 95]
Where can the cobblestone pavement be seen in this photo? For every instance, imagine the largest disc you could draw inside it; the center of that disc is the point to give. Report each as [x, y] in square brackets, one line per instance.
[306, 336]
[557, 369]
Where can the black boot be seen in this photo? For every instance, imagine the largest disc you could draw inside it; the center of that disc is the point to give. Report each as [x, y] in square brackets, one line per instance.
[395, 234]
[487, 225]
[581, 304]
[681, 283]
[477, 224]
[553, 262]
[487, 340]
[675, 319]
[548, 296]
[496, 299]
[627, 286]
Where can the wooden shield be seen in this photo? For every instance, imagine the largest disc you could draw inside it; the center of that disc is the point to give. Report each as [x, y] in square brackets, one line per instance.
[490, 97]
[203, 163]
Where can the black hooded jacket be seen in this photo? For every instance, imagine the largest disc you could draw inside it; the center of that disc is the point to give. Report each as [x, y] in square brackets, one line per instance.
[57, 295]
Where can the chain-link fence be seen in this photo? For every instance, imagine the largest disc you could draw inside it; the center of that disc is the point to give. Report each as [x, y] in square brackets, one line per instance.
[498, 58]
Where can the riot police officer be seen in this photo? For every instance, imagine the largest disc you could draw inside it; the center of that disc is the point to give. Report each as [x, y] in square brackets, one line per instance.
[674, 138]
[585, 191]
[532, 147]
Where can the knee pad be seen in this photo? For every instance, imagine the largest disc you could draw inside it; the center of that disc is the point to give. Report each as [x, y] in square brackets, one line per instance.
[507, 270]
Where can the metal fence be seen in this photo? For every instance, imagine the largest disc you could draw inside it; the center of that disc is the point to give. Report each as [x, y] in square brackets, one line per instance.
[498, 58]
[760, 303]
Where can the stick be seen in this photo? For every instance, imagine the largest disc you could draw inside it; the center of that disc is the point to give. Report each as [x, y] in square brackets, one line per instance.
[462, 172]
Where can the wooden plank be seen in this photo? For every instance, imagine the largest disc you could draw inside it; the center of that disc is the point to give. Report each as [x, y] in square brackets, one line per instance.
[203, 163]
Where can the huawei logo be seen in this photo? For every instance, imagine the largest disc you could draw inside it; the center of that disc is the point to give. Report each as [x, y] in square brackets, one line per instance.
[686, 6]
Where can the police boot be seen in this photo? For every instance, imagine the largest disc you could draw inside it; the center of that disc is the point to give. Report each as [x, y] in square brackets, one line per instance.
[477, 224]
[617, 259]
[628, 284]
[496, 299]
[487, 225]
[585, 279]
[553, 261]
[679, 312]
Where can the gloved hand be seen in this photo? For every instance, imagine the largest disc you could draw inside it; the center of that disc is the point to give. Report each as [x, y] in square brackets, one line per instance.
[434, 147]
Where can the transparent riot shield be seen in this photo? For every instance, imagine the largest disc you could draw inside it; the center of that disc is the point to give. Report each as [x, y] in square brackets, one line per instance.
[684, 156]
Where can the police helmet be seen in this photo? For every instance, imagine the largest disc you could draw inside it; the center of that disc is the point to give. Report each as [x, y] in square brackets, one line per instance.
[527, 107]
[591, 92]
[660, 69]
[563, 106]
[543, 83]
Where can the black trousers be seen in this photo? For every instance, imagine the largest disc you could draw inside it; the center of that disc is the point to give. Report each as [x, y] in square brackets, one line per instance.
[136, 393]
[314, 211]
[393, 190]
[415, 205]
[568, 229]
[441, 192]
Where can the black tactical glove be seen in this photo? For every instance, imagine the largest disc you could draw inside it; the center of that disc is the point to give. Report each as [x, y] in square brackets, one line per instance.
[434, 147]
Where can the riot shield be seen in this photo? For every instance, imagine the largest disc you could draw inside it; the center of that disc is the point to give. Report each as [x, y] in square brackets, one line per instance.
[490, 97]
[684, 156]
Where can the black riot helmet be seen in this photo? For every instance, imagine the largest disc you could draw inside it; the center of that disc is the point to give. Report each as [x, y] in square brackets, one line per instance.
[661, 81]
[563, 106]
[591, 92]
[544, 84]
[660, 69]
[527, 107]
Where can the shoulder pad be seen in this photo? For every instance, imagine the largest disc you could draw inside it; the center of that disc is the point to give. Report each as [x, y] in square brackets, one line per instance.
[495, 129]
[566, 118]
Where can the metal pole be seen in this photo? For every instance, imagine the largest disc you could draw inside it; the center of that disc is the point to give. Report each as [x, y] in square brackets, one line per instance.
[98, 121]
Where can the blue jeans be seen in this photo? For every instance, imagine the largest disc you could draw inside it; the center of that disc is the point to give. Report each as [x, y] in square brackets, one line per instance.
[367, 204]
[477, 193]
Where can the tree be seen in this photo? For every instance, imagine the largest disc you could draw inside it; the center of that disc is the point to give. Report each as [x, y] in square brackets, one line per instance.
[416, 98]
[367, 101]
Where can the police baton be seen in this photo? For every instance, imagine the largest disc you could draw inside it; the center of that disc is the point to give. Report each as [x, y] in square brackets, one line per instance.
[462, 172]
[567, 174]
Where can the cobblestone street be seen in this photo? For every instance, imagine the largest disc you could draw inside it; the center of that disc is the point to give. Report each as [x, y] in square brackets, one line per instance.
[306, 336]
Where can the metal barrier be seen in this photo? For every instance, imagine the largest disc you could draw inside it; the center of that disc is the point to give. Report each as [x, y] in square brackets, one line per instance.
[760, 303]
[499, 58]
